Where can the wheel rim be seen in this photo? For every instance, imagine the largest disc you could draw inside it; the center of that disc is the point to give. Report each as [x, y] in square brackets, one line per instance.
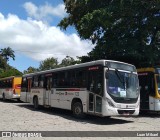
[77, 110]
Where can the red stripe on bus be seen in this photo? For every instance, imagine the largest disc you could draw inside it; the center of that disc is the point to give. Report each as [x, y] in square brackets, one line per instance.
[70, 89]
[18, 86]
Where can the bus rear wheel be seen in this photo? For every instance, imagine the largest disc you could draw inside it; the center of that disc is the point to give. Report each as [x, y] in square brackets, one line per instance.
[3, 97]
[35, 103]
[78, 110]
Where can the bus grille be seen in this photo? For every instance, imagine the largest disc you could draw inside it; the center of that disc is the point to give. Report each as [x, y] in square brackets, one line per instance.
[121, 112]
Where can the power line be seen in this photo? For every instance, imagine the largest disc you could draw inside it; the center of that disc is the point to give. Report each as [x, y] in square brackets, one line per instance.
[37, 52]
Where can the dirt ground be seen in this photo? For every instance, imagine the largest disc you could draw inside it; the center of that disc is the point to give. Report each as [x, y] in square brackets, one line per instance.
[18, 116]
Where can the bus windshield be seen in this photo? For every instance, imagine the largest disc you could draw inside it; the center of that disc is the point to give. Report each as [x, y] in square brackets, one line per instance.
[158, 82]
[122, 86]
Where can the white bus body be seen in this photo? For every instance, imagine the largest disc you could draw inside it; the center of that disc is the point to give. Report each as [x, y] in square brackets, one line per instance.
[110, 88]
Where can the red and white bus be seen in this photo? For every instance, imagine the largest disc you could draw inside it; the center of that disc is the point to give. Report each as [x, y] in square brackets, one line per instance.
[102, 87]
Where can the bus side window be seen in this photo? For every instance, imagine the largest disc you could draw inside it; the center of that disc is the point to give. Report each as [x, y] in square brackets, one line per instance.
[55, 76]
[73, 79]
[24, 85]
[41, 81]
[61, 76]
[9, 83]
[81, 78]
[35, 81]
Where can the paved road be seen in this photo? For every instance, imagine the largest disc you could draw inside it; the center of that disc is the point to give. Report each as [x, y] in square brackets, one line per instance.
[17, 116]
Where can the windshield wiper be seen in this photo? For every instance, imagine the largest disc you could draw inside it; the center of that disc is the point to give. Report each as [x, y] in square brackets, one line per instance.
[120, 77]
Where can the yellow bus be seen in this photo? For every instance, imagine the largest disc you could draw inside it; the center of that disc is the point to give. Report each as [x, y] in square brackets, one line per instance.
[10, 87]
[149, 81]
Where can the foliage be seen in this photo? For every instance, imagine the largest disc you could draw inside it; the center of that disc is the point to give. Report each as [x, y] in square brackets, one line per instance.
[10, 72]
[30, 70]
[5, 69]
[3, 63]
[49, 63]
[122, 30]
[68, 61]
[6, 53]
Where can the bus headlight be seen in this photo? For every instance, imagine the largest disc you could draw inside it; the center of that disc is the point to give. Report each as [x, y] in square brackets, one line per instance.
[138, 104]
[110, 102]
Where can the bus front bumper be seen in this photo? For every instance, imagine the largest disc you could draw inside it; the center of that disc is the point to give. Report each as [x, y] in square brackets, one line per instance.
[111, 111]
[15, 96]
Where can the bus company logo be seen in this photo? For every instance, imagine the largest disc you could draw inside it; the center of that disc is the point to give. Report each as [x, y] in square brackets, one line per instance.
[93, 68]
[35, 91]
[6, 134]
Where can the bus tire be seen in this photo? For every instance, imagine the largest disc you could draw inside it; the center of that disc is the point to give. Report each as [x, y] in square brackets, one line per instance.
[35, 103]
[78, 110]
[18, 100]
[3, 97]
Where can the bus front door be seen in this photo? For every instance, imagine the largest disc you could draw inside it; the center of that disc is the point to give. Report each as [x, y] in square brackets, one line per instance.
[95, 103]
[95, 91]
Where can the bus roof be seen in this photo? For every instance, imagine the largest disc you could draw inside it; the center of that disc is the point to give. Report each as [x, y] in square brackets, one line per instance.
[97, 62]
[7, 78]
[155, 69]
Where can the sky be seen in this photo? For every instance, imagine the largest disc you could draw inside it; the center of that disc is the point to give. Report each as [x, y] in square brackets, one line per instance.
[30, 29]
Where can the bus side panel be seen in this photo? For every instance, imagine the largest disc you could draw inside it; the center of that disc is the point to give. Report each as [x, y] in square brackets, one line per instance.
[67, 97]
[25, 97]
[63, 98]
[17, 85]
[39, 92]
[55, 98]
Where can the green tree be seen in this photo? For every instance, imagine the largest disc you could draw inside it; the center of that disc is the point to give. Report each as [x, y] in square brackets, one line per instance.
[30, 70]
[68, 61]
[6, 53]
[49, 63]
[10, 72]
[3, 63]
[122, 30]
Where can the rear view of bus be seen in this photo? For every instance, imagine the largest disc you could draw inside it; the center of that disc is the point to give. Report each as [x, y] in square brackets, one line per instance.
[10, 87]
[122, 89]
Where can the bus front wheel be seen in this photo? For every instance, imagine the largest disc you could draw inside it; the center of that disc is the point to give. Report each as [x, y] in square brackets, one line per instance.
[35, 102]
[78, 110]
